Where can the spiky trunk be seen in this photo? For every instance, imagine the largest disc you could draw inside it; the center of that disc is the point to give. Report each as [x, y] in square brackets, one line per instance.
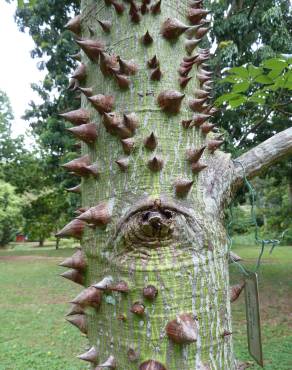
[153, 189]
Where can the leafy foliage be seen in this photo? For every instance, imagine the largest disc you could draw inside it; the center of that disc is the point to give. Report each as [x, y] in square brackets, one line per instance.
[247, 33]
[251, 84]
[53, 46]
[46, 204]
[44, 213]
[10, 212]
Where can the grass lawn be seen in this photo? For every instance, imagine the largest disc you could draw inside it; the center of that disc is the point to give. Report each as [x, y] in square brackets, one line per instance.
[35, 336]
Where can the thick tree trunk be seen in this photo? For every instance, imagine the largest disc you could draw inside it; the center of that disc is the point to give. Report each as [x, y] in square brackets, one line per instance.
[159, 215]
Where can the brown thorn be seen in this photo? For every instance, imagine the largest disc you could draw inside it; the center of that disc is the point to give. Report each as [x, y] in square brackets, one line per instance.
[150, 292]
[155, 164]
[200, 118]
[214, 145]
[89, 356]
[198, 167]
[75, 189]
[79, 321]
[190, 45]
[153, 62]
[80, 72]
[183, 186]
[138, 308]
[89, 297]
[152, 365]
[76, 261]
[86, 132]
[73, 229]
[77, 117]
[92, 48]
[156, 8]
[105, 25]
[102, 103]
[201, 32]
[170, 101]
[123, 163]
[151, 141]
[182, 330]
[74, 25]
[207, 127]
[74, 275]
[147, 39]
[128, 145]
[194, 155]
[99, 215]
[186, 123]
[183, 81]
[87, 91]
[195, 15]
[131, 121]
[172, 28]
[156, 74]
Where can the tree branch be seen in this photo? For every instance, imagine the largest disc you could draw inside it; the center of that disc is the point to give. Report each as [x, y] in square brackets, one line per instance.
[251, 9]
[256, 160]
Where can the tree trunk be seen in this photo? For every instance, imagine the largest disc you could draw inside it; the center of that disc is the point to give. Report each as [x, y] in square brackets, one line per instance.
[41, 243]
[156, 249]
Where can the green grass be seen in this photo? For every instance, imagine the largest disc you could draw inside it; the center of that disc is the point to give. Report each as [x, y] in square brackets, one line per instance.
[35, 336]
[275, 290]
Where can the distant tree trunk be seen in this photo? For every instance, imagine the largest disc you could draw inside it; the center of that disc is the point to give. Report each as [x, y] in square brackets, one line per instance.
[41, 242]
[154, 187]
[57, 243]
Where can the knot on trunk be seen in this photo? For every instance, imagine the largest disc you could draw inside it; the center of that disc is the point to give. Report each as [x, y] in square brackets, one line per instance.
[151, 228]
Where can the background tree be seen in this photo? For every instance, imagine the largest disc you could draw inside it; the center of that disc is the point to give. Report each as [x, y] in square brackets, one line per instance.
[250, 32]
[10, 213]
[44, 213]
[46, 204]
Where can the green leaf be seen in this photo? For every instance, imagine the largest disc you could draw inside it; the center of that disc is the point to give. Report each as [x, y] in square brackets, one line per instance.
[288, 75]
[234, 103]
[22, 3]
[281, 82]
[258, 97]
[240, 87]
[288, 85]
[275, 63]
[226, 97]
[254, 71]
[239, 71]
[231, 78]
[264, 79]
[274, 73]
[219, 101]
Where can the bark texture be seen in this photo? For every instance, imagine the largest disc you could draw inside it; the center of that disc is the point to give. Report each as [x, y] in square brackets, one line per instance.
[154, 244]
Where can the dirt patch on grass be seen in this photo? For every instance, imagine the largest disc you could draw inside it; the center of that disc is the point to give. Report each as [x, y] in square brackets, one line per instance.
[23, 258]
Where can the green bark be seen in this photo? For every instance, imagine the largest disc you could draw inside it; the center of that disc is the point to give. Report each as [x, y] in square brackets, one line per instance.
[187, 258]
